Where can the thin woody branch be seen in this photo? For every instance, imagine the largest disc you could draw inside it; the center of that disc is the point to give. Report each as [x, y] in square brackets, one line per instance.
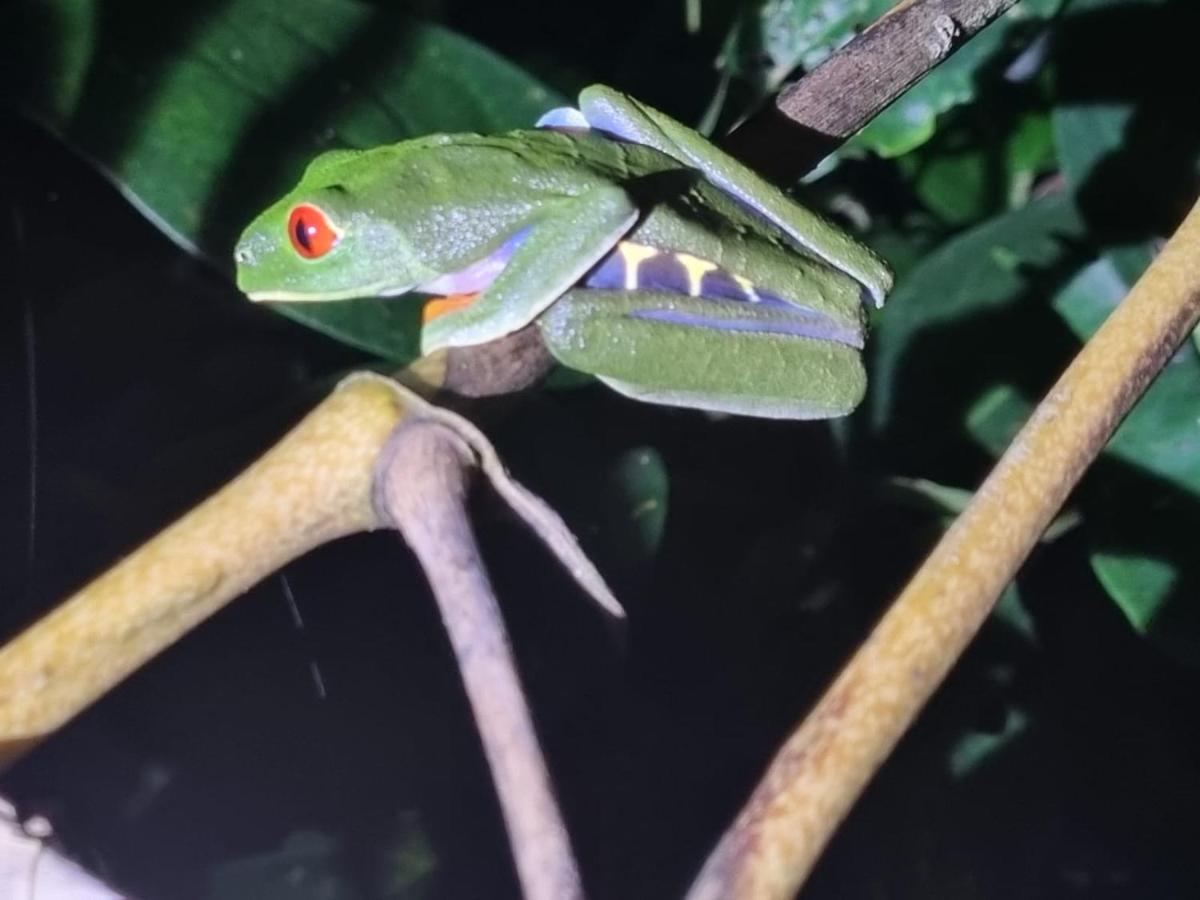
[816, 115]
[372, 455]
[430, 512]
[506, 365]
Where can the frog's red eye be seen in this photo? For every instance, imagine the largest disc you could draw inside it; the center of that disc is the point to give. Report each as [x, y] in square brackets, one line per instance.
[311, 232]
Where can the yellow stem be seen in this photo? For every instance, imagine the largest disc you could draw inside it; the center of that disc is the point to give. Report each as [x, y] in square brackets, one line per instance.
[311, 487]
[823, 767]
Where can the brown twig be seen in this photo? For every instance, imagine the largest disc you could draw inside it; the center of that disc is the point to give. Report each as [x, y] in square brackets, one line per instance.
[813, 117]
[506, 365]
[421, 489]
[372, 455]
[824, 766]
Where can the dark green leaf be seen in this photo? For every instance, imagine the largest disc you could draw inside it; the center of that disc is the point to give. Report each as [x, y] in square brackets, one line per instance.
[1160, 435]
[204, 115]
[410, 861]
[637, 502]
[306, 867]
[975, 748]
[988, 268]
[949, 502]
[1138, 584]
[1144, 556]
[943, 499]
[996, 418]
[1129, 156]
[1086, 133]
[1089, 126]
[984, 163]
[1012, 612]
[954, 186]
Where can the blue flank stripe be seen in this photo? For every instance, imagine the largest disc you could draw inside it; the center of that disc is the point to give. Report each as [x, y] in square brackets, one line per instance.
[811, 325]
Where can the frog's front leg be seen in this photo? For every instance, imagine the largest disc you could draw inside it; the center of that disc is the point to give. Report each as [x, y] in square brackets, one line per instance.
[629, 119]
[563, 243]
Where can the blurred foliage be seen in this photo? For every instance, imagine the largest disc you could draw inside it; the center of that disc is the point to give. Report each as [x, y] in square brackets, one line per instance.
[772, 39]
[1018, 190]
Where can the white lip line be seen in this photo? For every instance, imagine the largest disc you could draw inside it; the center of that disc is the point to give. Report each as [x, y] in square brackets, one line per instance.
[370, 290]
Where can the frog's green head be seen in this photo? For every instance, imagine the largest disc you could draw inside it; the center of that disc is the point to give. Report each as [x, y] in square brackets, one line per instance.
[330, 238]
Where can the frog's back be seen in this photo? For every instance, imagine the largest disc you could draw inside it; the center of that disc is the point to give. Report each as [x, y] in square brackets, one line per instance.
[465, 165]
[462, 195]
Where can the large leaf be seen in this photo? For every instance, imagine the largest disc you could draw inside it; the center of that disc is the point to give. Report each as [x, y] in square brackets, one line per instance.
[1086, 133]
[971, 277]
[773, 38]
[204, 113]
[962, 179]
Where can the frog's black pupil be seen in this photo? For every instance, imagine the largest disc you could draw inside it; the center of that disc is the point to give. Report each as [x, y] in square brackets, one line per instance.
[302, 233]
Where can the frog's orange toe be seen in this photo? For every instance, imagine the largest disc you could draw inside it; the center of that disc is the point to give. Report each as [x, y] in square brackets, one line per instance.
[439, 306]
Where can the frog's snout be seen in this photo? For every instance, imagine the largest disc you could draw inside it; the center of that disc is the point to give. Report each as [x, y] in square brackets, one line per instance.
[253, 248]
[246, 253]
[250, 255]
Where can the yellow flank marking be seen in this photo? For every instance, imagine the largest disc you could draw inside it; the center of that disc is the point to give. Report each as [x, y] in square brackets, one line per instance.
[696, 269]
[632, 256]
[745, 285]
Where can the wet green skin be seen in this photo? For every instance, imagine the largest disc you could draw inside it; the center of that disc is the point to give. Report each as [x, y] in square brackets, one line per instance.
[411, 212]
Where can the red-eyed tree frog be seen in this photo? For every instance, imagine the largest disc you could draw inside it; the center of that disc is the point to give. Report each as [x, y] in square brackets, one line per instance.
[646, 256]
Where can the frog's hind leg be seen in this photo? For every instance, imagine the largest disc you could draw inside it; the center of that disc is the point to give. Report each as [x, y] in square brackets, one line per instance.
[631, 120]
[723, 356]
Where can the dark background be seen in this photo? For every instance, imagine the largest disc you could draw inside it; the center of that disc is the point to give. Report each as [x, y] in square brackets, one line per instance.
[134, 379]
